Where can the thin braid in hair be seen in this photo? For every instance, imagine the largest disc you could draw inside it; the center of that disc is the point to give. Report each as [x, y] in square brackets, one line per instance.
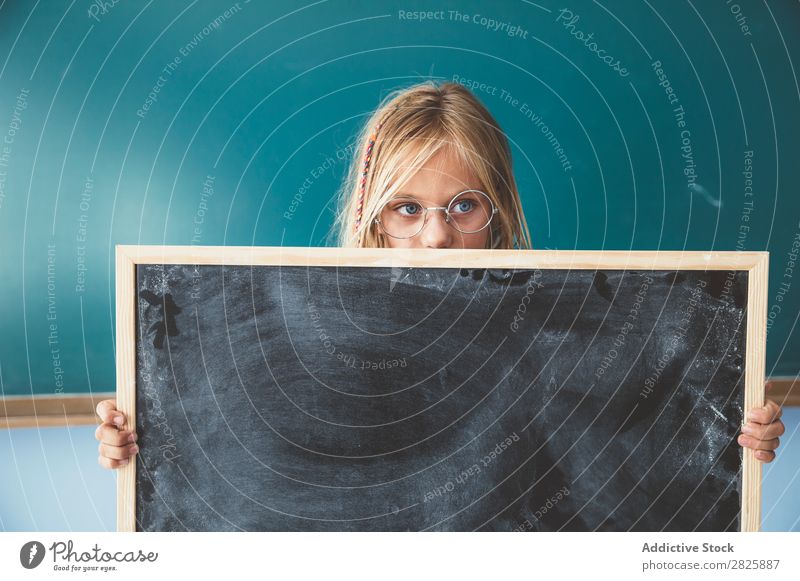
[363, 185]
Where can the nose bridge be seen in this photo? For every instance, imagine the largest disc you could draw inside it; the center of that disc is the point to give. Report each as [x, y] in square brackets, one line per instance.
[436, 231]
[431, 214]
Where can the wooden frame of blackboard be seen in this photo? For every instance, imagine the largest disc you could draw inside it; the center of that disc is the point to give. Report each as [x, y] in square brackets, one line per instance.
[128, 256]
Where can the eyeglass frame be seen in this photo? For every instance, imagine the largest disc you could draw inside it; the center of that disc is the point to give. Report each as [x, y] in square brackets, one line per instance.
[447, 219]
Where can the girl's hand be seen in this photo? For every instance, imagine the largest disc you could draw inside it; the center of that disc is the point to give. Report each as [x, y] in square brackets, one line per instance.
[762, 430]
[116, 445]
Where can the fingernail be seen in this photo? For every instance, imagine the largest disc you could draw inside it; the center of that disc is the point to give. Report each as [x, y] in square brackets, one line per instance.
[743, 440]
[118, 420]
[132, 438]
[747, 429]
[134, 449]
[123, 462]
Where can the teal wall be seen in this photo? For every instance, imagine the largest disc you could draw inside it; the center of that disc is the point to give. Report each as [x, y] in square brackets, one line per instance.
[256, 104]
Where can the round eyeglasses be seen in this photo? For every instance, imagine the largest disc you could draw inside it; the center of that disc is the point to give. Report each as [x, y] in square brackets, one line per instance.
[468, 212]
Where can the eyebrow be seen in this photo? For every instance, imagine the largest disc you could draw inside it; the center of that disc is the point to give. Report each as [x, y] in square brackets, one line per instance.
[419, 195]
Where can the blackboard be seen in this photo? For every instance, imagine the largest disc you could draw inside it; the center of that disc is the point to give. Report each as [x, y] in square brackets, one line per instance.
[346, 397]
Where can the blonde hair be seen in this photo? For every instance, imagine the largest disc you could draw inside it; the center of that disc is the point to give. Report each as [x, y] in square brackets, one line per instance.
[413, 125]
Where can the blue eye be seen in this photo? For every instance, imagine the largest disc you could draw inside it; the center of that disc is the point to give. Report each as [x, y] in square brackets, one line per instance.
[412, 209]
[464, 206]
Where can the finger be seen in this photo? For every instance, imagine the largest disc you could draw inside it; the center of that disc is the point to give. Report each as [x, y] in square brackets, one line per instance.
[117, 452]
[749, 442]
[765, 456]
[109, 434]
[766, 414]
[768, 386]
[108, 412]
[111, 464]
[764, 431]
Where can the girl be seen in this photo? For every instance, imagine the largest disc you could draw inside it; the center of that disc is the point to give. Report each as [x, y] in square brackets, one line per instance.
[435, 173]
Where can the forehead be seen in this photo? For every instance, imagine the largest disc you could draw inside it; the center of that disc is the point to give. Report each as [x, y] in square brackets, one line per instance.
[441, 177]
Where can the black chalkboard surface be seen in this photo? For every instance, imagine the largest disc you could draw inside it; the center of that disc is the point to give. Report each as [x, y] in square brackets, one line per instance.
[349, 398]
